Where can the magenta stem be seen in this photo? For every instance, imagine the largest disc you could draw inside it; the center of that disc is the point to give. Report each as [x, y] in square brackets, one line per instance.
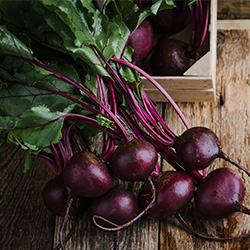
[158, 86]
[202, 236]
[64, 220]
[222, 155]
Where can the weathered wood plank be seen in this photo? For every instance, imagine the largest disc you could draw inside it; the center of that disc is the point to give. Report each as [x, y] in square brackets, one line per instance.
[234, 65]
[233, 9]
[236, 24]
[25, 222]
[231, 123]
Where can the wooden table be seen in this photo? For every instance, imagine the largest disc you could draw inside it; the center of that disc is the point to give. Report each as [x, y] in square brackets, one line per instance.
[26, 224]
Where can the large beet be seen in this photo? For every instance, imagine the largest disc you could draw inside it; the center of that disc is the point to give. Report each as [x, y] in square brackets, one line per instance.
[197, 147]
[172, 57]
[220, 195]
[87, 176]
[134, 160]
[173, 191]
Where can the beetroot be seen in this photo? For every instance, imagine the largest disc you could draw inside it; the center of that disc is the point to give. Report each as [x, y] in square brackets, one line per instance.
[220, 195]
[171, 21]
[173, 191]
[87, 176]
[197, 147]
[171, 57]
[134, 160]
[56, 197]
[118, 206]
[141, 40]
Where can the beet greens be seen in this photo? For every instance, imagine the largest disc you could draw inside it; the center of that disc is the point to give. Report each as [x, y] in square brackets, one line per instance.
[74, 77]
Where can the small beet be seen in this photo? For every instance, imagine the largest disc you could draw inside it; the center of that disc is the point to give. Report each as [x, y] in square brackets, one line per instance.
[172, 21]
[141, 40]
[134, 160]
[118, 206]
[173, 191]
[87, 176]
[172, 57]
[56, 197]
[220, 194]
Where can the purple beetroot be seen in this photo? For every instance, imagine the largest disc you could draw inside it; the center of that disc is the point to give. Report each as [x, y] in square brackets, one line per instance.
[173, 20]
[220, 194]
[87, 176]
[56, 197]
[134, 160]
[198, 147]
[117, 206]
[173, 191]
[141, 40]
[171, 57]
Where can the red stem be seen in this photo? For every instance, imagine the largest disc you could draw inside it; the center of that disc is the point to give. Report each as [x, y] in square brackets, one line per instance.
[206, 237]
[157, 85]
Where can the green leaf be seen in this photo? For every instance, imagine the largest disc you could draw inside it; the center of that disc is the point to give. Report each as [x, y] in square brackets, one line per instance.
[90, 28]
[29, 159]
[78, 22]
[128, 74]
[7, 122]
[10, 44]
[105, 122]
[24, 88]
[39, 126]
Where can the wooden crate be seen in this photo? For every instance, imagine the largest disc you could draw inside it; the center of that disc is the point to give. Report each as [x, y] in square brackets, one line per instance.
[198, 82]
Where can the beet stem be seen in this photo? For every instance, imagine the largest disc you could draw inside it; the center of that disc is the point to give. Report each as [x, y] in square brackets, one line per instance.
[119, 227]
[207, 237]
[241, 208]
[117, 239]
[222, 155]
[158, 86]
[70, 234]
[64, 220]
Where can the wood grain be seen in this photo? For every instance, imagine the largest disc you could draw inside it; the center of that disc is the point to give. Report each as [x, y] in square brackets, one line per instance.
[25, 222]
[233, 9]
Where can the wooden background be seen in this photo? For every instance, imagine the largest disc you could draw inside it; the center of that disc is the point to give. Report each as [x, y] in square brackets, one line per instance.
[26, 224]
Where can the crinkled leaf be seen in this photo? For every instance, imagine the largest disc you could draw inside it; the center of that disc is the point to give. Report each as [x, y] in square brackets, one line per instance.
[90, 29]
[11, 45]
[39, 127]
[105, 122]
[29, 159]
[34, 88]
[7, 122]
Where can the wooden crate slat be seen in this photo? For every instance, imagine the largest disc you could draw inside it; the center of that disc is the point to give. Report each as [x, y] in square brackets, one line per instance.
[198, 79]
